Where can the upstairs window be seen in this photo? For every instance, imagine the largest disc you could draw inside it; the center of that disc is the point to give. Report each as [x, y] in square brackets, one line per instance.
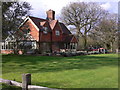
[26, 31]
[57, 32]
[45, 31]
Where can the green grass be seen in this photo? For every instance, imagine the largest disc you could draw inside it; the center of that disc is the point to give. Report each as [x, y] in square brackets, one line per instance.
[90, 71]
[9, 87]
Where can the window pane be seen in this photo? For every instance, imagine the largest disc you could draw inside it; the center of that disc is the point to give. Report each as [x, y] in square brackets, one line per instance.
[45, 30]
[57, 33]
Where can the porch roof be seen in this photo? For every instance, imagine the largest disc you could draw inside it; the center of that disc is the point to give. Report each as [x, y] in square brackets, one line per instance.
[70, 39]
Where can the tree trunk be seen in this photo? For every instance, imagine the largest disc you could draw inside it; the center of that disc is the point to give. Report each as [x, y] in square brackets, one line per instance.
[78, 37]
[111, 46]
[105, 46]
[85, 42]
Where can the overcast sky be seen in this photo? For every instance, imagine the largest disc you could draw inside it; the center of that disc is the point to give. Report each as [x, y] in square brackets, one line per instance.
[41, 6]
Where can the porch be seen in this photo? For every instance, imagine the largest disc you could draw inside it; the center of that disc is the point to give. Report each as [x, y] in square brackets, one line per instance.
[16, 46]
[33, 47]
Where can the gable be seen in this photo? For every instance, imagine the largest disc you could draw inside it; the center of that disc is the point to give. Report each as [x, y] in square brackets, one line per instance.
[74, 40]
[45, 24]
[58, 27]
[70, 39]
[53, 24]
[31, 21]
[31, 28]
[35, 21]
[10, 38]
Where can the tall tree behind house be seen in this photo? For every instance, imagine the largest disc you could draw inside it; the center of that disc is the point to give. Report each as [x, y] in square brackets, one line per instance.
[83, 17]
[106, 32]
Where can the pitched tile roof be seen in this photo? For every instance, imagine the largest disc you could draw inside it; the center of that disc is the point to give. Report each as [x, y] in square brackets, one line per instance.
[37, 21]
[64, 29]
[52, 23]
[70, 38]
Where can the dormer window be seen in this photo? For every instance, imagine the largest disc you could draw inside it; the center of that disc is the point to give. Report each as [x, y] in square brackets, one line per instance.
[45, 31]
[57, 32]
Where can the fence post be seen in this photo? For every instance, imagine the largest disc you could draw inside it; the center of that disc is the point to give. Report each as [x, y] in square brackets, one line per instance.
[26, 80]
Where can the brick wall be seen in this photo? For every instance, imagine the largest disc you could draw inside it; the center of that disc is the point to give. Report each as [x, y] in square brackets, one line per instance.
[46, 37]
[7, 51]
[56, 38]
[33, 31]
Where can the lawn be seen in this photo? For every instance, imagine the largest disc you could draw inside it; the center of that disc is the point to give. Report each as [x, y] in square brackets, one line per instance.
[9, 87]
[89, 71]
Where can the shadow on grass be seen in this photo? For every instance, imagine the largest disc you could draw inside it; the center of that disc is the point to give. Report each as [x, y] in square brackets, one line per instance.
[46, 84]
[33, 64]
[9, 87]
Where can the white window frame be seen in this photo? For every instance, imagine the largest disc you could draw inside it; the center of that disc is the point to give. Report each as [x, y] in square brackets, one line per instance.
[45, 30]
[57, 33]
[7, 45]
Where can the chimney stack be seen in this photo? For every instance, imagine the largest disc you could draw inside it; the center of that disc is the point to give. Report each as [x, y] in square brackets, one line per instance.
[50, 15]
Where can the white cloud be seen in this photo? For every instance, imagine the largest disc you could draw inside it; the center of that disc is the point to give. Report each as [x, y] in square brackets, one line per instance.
[41, 6]
[50, 4]
[106, 6]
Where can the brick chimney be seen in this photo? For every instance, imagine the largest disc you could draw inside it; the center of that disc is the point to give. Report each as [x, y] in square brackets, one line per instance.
[50, 15]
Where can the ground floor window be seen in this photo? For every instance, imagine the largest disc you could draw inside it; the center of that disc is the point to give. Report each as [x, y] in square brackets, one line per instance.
[27, 45]
[70, 45]
[18, 45]
[8, 45]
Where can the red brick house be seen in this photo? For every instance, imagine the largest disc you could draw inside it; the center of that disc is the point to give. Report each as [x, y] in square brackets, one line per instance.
[45, 35]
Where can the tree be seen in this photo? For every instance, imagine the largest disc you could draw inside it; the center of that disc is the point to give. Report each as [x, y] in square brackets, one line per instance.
[13, 14]
[106, 32]
[82, 17]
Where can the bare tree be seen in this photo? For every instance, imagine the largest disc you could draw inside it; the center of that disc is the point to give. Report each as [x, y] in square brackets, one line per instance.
[82, 17]
[106, 31]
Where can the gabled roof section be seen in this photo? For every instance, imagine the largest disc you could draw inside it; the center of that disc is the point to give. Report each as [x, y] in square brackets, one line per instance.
[53, 23]
[74, 39]
[42, 23]
[10, 38]
[71, 38]
[68, 39]
[64, 29]
[37, 21]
